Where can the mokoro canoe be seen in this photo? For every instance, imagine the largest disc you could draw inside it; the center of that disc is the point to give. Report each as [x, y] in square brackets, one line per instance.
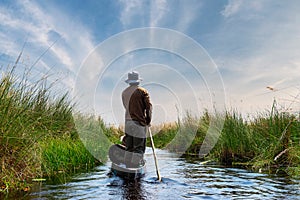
[128, 173]
[116, 155]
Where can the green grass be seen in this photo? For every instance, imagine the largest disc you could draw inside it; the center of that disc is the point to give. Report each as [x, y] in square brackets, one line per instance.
[269, 142]
[163, 134]
[236, 142]
[60, 155]
[38, 133]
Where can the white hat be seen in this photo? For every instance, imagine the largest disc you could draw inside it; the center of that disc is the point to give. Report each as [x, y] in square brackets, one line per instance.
[133, 77]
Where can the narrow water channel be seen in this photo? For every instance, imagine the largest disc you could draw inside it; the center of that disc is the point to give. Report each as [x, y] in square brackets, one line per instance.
[182, 179]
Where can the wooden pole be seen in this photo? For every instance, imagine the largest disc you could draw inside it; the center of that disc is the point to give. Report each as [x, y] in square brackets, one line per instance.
[154, 155]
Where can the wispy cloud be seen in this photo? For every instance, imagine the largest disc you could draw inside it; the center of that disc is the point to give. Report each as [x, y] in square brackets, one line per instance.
[188, 13]
[236, 7]
[259, 42]
[30, 22]
[157, 11]
[131, 11]
[178, 15]
[232, 7]
[255, 43]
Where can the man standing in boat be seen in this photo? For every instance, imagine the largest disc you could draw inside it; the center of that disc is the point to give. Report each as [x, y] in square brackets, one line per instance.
[138, 111]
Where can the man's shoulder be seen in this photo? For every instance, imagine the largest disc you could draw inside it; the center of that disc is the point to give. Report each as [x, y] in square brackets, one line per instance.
[134, 89]
[143, 90]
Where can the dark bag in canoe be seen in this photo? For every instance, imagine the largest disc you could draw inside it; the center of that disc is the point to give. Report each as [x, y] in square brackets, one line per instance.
[117, 153]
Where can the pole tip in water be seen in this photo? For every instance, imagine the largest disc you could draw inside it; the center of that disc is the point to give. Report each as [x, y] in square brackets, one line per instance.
[159, 179]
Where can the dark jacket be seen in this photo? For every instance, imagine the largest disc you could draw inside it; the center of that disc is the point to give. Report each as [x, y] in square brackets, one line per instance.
[137, 103]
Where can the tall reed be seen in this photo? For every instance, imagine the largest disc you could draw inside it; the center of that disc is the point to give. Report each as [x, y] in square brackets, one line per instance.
[268, 141]
[37, 131]
[62, 155]
[163, 134]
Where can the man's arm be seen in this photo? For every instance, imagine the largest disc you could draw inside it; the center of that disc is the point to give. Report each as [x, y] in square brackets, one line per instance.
[148, 108]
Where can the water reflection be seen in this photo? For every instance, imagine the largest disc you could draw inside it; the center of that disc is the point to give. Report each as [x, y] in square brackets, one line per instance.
[182, 179]
[234, 183]
[132, 190]
[127, 189]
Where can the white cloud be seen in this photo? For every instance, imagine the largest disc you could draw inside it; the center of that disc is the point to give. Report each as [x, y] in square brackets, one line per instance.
[63, 56]
[236, 7]
[256, 43]
[71, 41]
[131, 11]
[157, 12]
[187, 15]
[231, 8]
[258, 46]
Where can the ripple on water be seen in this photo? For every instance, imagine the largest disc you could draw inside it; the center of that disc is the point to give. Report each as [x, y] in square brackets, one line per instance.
[181, 179]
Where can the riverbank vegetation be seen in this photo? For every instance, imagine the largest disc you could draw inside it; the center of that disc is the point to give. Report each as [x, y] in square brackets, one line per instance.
[268, 142]
[41, 136]
[38, 135]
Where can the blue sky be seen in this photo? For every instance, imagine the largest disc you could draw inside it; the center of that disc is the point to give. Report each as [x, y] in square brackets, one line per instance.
[250, 45]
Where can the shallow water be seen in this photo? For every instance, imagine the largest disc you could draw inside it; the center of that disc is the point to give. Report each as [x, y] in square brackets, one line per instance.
[182, 179]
